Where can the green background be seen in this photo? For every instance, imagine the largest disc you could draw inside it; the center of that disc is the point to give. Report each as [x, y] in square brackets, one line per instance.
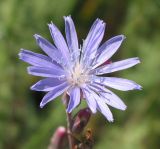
[23, 125]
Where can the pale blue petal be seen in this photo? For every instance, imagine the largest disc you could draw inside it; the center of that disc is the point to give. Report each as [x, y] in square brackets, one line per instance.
[94, 38]
[109, 97]
[53, 94]
[116, 66]
[118, 83]
[74, 99]
[89, 99]
[107, 49]
[47, 84]
[113, 100]
[46, 72]
[103, 108]
[48, 48]
[36, 59]
[59, 41]
[71, 37]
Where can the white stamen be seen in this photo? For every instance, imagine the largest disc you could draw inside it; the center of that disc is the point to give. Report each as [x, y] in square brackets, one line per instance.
[78, 76]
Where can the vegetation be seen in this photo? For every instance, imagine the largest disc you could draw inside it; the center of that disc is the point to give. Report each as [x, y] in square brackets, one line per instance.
[23, 125]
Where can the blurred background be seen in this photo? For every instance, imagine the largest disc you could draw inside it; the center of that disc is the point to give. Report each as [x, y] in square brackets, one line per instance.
[23, 125]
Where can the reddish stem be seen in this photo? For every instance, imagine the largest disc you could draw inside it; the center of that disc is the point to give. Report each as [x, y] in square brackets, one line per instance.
[69, 132]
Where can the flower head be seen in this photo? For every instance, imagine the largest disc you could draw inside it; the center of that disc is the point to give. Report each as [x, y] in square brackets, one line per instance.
[73, 69]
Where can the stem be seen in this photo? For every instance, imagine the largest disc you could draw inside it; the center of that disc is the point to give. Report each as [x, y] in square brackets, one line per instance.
[69, 122]
[69, 132]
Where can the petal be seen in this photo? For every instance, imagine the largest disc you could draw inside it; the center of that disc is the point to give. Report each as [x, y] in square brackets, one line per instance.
[106, 51]
[47, 84]
[109, 97]
[53, 94]
[36, 59]
[74, 99]
[46, 72]
[59, 41]
[93, 39]
[48, 48]
[118, 83]
[116, 66]
[89, 99]
[113, 100]
[71, 34]
[103, 108]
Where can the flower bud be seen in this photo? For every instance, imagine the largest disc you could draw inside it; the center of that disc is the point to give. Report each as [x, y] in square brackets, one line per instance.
[106, 63]
[81, 120]
[58, 139]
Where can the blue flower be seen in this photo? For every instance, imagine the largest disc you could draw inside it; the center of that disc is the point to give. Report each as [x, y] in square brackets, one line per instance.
[79, 70]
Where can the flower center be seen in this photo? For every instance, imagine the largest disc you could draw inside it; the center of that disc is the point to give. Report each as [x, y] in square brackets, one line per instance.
[78, 76]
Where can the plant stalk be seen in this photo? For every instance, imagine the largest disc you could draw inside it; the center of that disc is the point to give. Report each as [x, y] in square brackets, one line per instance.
[69, 132]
